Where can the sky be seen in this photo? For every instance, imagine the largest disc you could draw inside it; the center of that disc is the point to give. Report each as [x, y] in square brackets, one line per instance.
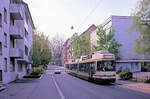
[55, 17]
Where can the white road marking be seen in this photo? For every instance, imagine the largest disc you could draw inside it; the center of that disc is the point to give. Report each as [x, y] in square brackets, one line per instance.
[58, 89]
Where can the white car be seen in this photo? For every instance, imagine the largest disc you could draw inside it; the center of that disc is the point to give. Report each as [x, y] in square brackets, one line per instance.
[57, 72]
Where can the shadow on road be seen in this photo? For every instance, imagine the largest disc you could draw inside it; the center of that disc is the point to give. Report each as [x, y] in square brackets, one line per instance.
[26, 80]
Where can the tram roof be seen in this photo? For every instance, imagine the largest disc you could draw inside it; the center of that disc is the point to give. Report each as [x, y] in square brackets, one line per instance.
[90, 61]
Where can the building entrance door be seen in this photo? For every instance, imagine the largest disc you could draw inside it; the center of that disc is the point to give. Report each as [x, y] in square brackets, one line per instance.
[1, 75]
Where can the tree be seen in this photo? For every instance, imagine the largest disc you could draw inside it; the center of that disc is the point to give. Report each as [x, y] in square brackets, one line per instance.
[81, 45]
[56, 48]
[107, 41]
[41, 53]
[141, 22]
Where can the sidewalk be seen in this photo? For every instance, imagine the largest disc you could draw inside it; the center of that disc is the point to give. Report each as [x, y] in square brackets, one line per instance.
[134, 85]
[43, 88]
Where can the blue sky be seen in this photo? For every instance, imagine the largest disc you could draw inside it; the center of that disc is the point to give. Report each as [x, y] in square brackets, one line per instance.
[57, 16]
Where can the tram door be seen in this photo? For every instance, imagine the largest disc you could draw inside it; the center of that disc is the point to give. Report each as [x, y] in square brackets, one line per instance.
[91, 69]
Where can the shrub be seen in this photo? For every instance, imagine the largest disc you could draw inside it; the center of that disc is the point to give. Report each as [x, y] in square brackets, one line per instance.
[35, 73]
[126, 75]
[147, 81]
[37, 70]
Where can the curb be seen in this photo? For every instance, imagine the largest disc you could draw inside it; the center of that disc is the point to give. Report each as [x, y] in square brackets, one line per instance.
[135, 87]
[2, 88]
[41, 76]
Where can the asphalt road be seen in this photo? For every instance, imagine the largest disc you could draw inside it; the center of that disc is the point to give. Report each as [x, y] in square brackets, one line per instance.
[64, 86]
[69, 87]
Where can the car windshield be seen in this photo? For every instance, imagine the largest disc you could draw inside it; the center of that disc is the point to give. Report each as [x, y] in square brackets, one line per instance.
[106, 66]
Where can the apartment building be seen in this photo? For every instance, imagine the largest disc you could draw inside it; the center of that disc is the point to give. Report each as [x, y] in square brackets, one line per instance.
[16, 39]
[123, 34]
[67, 50]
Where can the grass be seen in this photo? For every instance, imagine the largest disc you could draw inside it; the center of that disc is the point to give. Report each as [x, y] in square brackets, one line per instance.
[137, 80]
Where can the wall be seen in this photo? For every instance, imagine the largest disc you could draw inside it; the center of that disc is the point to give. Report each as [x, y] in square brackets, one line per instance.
[125, 36]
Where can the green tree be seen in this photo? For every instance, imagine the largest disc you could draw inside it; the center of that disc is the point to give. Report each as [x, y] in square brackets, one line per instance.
[107, 41]
[141, 22]
[81, 45]
[41, 53]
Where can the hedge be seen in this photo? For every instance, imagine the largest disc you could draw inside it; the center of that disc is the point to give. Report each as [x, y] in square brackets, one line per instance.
[126, 75]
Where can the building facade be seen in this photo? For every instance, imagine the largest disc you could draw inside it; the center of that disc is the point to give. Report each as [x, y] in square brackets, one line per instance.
[16, 40]
[67, 53]
[121, 25]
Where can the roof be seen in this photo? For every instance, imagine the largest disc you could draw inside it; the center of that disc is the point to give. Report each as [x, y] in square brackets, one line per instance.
[30, 17]
[128, 61]
[91, 29]
[114, 16]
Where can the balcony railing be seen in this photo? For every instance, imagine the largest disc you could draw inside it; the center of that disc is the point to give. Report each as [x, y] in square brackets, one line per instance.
[16, 53]
[17, 32]
[17, 11]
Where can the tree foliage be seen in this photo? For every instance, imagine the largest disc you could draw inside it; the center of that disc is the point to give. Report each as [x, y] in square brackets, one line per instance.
[81, 45]
[141, 22]
[41, 53]
[106, 41]
[56, 48]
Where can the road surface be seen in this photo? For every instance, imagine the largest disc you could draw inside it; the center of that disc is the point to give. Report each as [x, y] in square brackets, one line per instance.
[64, 86]
[69, 87]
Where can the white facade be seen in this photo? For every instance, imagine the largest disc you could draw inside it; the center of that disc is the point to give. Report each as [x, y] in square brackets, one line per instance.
[16, 39]
[125, 36]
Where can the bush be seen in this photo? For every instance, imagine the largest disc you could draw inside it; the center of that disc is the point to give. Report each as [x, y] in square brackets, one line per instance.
[35, 73]
[126, 75]
[147, 81]
[37, 70]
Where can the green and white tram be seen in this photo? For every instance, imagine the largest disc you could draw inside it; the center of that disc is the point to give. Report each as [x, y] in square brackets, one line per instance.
[101, 67]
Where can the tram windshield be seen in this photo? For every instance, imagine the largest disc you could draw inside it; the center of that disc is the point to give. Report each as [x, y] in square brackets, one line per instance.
[106, 66]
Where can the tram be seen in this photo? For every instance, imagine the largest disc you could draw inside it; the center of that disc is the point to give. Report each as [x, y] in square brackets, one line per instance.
[100, 67]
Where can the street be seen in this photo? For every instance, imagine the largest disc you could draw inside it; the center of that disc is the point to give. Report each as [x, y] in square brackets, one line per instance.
[75, 88]
[64, 86]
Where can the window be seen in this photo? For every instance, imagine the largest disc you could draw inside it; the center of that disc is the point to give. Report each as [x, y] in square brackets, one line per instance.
[12, 43]
[12, 65]
[1, 75]
[20, 67]
[0, 20]
[26, 33]
[0, 48]
[5, 64]
[5, 41]
[12, 22]
[26, 50]
[106, 66]
[5, 15]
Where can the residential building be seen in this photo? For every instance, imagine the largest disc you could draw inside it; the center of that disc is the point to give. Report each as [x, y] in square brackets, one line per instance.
[121, 25]
[86, 36]
[67, 50]
[16, 39]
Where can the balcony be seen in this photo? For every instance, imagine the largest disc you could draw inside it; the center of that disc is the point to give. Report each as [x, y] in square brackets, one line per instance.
[16, 11]
[25, 59]
[16, 32]
[15, 53]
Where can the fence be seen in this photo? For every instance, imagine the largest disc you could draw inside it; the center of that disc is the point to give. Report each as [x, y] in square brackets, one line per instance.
[142, 75]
